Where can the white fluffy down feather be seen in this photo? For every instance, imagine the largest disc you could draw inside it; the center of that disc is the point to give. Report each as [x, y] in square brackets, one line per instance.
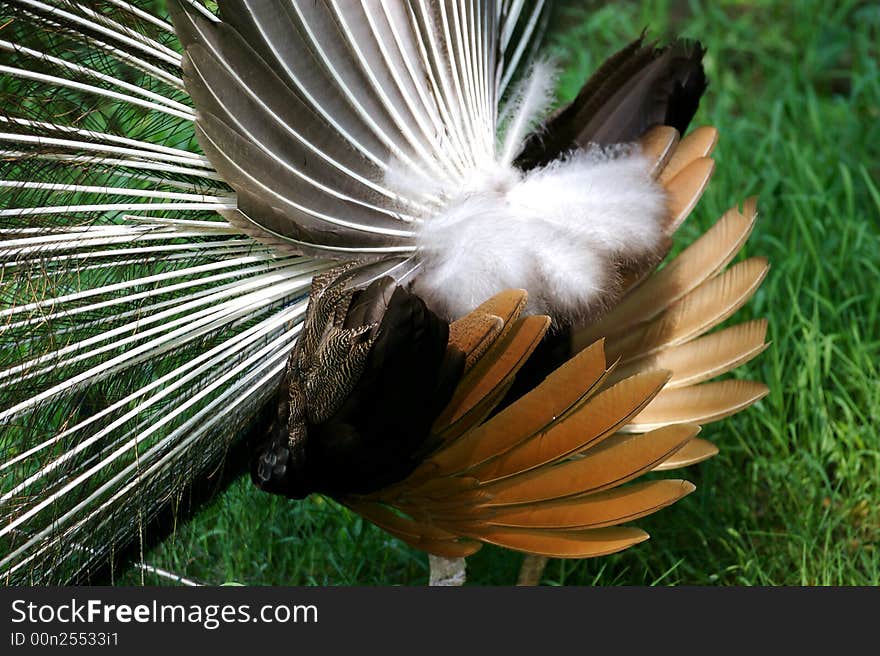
[559, 232]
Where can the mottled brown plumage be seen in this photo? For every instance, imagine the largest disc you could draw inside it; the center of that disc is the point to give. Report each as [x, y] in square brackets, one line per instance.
[361, 389]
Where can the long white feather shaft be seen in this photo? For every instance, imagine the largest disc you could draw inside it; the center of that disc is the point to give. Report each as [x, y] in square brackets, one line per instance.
[115, 191]
[164, 386]
[119, 452]
[175, 385]
[333, 69]
[143, 15]
[121, 35]
[167, 320]
[266, 263]
[193, 429]
[428, 159]
[73, 144]
[182, 110]
[242, 307]
[89, 237]
[511, 64]
[420, 112]
[137, 146]
[270, 193]
[422, 76]
[162, 51]
[115, 207]
[112, 164]
[119, 286]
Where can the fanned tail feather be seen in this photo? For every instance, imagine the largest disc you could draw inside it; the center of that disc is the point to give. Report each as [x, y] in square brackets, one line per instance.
[171, 186]
[140, 331]
[547, 474]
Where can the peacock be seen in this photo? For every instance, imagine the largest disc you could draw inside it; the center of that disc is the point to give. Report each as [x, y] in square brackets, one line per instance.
[348, 247]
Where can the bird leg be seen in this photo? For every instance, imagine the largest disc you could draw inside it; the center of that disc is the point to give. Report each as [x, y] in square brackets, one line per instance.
[446, 571]
[531, 570]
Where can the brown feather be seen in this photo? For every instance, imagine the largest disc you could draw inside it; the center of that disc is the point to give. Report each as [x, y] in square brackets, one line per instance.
[699, 404]
[447, 505]
[431, 488]
[419, 535]
[476, 415]
[564, 544]
[473, 334]
[495, 369]
[698, 143]
[615, 461]
[703, 358]
[557, 395]
[697, 263]
[560, 130]
[645, 95]
[697, 450]
[658, 144]
[700, 310]
[595, 510]
[590, 424]
[686, 189]
[508, 304]
[390, 521]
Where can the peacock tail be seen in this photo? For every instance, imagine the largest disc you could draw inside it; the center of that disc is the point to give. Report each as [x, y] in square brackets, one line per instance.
[173, 183]
[143, 326]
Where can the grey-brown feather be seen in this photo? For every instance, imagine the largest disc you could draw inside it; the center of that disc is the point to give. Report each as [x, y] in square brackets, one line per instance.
[369, 375]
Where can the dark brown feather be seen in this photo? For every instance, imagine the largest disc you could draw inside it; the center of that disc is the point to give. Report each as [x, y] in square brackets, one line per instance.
[639, 87]
[352, 427]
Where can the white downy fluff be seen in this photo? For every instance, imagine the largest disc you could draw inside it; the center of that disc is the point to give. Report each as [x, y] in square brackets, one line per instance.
[560, 232]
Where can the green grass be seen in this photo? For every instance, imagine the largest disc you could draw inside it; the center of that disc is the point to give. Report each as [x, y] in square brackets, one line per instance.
[794, 496]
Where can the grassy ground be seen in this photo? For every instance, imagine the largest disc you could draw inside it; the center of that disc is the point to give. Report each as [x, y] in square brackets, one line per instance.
[794, 496]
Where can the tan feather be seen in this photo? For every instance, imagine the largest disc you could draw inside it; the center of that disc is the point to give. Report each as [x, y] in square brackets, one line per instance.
[595, 510]
[473, 334]
[697, 450]
[430, 488]
[595, 420]
[658, 144]
[508, 304]
[698, 143]
[495, 369]
[419, 535]
[564, 544]
[390, 521]
[476, 415]
[699, 404]
[694, 265]
[685, 189]
[700, 310]
[552, 399]
[452, 505]
[703, 358]
[615, 461]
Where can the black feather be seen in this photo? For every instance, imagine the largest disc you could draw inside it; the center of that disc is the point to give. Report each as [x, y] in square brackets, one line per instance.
[636, 89]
